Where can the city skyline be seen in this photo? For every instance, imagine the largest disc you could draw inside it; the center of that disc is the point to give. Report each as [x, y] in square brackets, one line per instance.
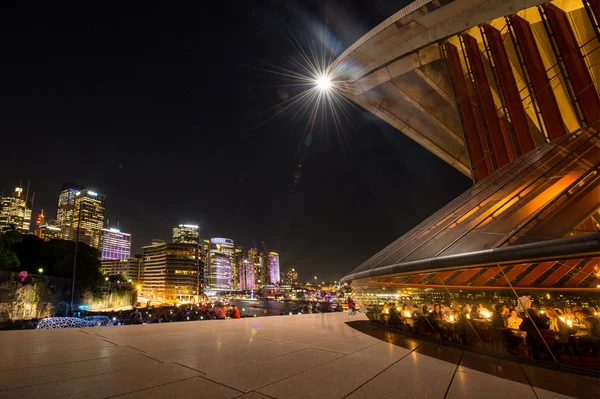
[129, 132]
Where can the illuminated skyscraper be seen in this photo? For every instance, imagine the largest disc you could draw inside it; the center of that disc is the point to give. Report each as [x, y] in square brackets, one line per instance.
[115, 244]
[216, 272]
[291, 277]
[246, 271]
[88, 217]
[274, 275]
[219, 266]
[15, 212]
[41, 220]
[186, 234]
[66, 209]
[171, 271]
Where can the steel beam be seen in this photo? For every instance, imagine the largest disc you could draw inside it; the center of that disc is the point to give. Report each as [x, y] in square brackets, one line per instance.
[578, 73]
[542, 89]
[486, 103]
[475, 147]
[510, 91]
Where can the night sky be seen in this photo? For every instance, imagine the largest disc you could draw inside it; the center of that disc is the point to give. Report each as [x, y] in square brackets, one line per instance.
[168, 111]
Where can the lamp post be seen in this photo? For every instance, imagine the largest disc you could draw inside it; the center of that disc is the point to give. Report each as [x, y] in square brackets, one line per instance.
[75, 259]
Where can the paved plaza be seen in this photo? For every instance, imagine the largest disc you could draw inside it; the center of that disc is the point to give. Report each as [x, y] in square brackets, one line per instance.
[302, 356]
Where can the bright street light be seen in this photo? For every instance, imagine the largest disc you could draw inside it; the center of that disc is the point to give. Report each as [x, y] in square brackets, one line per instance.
[40, 270]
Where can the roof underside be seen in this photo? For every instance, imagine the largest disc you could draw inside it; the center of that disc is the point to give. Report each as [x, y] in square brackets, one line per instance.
[396, 71]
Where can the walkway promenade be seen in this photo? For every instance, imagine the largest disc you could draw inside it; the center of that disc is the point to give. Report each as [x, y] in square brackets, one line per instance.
[310, 356]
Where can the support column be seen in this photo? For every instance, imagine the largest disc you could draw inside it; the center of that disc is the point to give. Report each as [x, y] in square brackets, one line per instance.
[467, 117]
[570, 54]
[510, 91]
[542, 89]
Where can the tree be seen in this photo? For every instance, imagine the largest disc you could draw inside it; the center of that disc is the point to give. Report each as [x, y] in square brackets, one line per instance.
[8, 259]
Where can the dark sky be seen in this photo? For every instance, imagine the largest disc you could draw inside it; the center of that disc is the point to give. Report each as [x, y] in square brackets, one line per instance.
[162, 107]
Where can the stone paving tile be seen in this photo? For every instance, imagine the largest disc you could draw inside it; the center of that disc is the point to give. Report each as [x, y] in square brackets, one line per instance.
[192, 388]
[253, 395]
[487, 386]
[17, 348]
[226, 358]
[44, 374]
[349, 345]
[55, 358]
[415, 375]
[106, 385]
[249, 378]
[337, 378]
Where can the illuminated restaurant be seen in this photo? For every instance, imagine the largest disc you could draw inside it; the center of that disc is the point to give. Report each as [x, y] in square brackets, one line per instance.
[508, 94]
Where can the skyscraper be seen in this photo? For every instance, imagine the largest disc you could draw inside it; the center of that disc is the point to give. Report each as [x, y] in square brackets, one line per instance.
[219, 266]
[274, 275]
[88, 217]
[291, 277]
[186, 234]
[171, 271]
[15, 212]
[246, 271]
[66, 209]
[115, 244]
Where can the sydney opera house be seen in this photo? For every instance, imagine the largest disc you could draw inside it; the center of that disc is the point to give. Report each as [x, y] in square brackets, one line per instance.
[507, 93]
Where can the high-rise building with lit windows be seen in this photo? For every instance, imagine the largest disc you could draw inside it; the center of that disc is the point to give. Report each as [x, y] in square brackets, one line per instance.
[66, 209]
[129, 268]
[218, 271]
[115, 244]
[88, 218]
[15, 212]
[186, 234]
[274, 275]
[246, 271]
[171, 271]
[291, 277]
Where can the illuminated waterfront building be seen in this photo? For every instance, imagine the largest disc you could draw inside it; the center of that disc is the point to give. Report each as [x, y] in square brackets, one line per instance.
[246, 270]
[291, 277]
[15, 212]
[217, 269]
[66, 209]
[274, 274]
[115, 244]
[171, 271]
[129, 268]
[88, 218]
[508, 94]
[186, 234]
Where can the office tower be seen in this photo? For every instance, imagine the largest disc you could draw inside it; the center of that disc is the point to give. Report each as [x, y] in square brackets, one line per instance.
[246, 271]
[291, 277]
[66, 209]
[217, 268]
[48, 232]
[88, 218]
[115, 244]
[186, 234]
[15, 212]
[171, 271]
[129, 268]
[274, 276]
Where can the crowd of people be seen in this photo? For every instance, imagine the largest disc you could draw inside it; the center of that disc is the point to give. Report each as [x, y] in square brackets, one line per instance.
[519, 328]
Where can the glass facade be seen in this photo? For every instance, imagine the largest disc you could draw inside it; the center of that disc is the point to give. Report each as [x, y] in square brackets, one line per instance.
[15, 212]
[246, 271]
[88, 218]
[511, 265]
[186, 233]
[217, 269]
[115, 244]
[66, 209]
[274, 272]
